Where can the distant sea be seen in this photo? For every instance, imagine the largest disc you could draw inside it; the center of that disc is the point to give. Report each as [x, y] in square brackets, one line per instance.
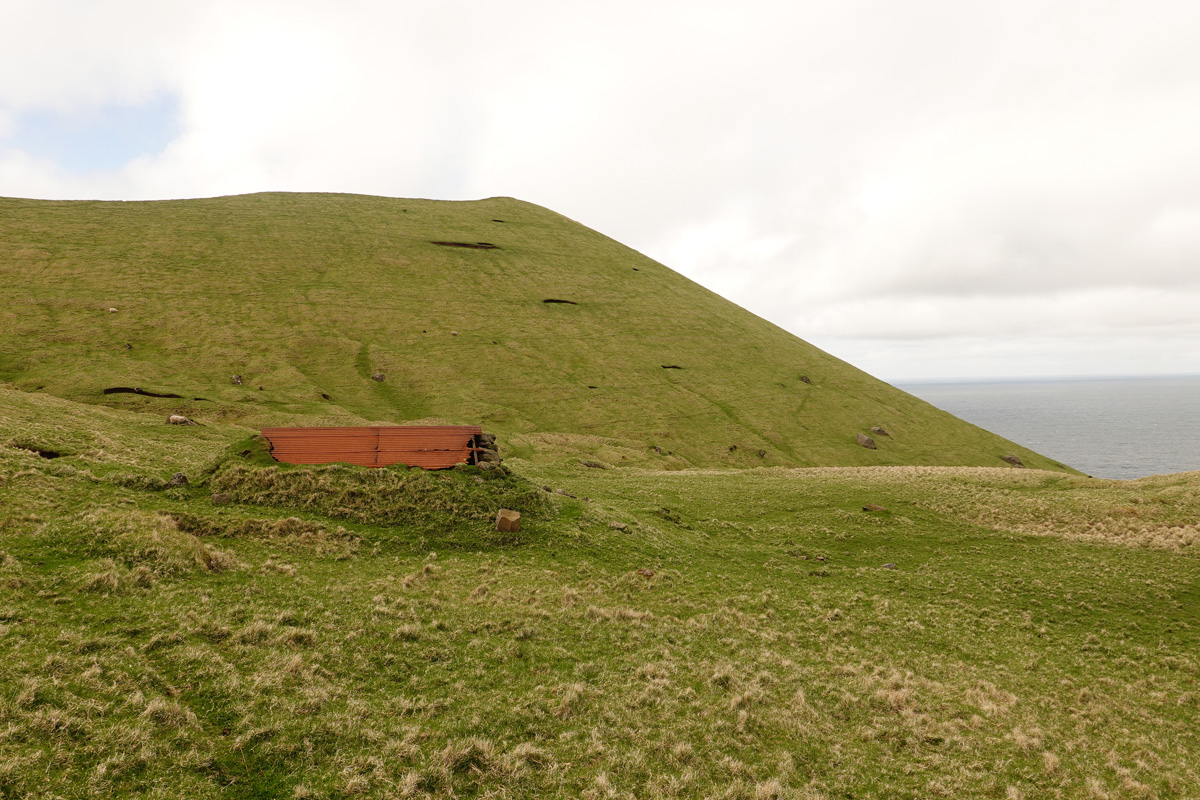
[1118, 428]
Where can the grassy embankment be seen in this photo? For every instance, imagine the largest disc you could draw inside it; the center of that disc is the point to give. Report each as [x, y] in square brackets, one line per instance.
[695, 633]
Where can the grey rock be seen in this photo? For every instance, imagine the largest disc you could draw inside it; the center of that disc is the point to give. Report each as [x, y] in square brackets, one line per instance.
[379, 377]
[866, 441]
[878, 431]
[237, 380]
[889, 566]
[618, 526]
[178, 479]
[1014, 460]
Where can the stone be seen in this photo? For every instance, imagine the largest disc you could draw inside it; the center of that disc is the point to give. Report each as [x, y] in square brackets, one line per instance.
[508, 521]
[658, 449]
[805, 378]
[237, 380]
[564, 493]
[221, 499]
[873, 507]
[179, 419]
[878, 431]
[378, 377]
[762, 453]
[593, 464]
[618, 526]
[1014, 460]
[889, 566]
[866, 441]
[178, 479]
[646, 573]
[489, 456]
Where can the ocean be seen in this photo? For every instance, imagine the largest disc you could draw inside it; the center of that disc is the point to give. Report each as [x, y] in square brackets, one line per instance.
[1120, 428]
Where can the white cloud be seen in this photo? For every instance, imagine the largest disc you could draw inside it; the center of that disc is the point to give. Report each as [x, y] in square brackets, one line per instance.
[860, 172]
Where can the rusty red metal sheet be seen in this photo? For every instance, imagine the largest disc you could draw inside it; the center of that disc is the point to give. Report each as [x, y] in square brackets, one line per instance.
[425, 446]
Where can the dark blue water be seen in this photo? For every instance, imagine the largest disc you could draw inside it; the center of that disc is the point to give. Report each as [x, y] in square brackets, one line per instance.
[1110, 428]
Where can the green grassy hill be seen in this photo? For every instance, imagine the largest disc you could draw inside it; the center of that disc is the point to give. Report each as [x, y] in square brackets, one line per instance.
[710, 624]
[309, 295]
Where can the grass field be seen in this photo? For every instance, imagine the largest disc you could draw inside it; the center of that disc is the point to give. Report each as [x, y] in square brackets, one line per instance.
[734, 600]
[689, 633]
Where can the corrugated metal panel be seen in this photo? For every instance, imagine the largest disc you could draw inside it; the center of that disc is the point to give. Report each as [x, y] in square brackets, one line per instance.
[426, 446]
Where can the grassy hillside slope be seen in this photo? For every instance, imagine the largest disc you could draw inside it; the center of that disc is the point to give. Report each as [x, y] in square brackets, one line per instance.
[309, 295]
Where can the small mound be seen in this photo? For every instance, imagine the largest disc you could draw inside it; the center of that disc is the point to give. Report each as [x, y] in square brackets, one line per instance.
[457, 505]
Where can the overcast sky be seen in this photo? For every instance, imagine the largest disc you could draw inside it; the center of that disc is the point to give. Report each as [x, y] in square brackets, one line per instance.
[927, 189]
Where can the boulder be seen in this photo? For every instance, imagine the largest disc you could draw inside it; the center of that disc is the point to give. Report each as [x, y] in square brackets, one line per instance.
[646, 573]
[178, 479]
[1014, 460]
[378, 377]
[508, 521]
[878, 431]
[866, 441]
[873, 507]
[237, 380]
[593, 464]
[806, 379]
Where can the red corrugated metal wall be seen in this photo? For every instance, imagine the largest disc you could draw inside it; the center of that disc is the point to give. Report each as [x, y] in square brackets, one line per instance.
[426, 446]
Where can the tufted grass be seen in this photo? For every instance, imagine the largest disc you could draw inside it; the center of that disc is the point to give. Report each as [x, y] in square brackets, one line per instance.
[678, 633]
